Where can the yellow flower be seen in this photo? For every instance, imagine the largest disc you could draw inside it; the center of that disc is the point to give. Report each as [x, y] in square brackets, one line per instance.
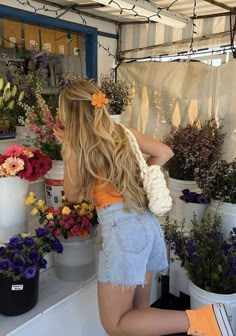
[84, 206]
[82, 212]
[41, 204]
[66, 210]
[91, 207]
[34, 211]
[49, 216]
[32, 194]
[29, 200]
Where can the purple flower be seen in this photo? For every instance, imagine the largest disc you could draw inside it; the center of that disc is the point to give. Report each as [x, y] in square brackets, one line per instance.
[56, 245]
[5, 265]
[18, 266]
[43, 263]
[29, 241]
[2, 251]
[34, 255]
[14, 242]
[193, 197]
[40, 232]
[30, 272]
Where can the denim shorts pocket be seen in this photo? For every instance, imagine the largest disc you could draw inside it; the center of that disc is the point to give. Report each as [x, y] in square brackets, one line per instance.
[131, 234]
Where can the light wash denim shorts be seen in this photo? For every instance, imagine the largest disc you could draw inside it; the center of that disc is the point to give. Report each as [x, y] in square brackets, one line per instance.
[133, 244]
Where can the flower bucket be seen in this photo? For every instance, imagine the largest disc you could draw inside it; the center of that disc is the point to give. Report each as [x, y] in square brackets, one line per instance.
[227, 211]
[13, 212]
[176, 187]
[18, 297]
[78, 262]
[54, 180]
[188, 211]
[199, 298]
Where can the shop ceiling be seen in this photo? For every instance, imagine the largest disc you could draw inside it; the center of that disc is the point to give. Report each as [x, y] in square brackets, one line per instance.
[130, 11]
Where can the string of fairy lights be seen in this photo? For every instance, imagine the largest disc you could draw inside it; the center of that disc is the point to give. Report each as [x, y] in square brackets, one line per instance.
[194, 17]
[132, 10]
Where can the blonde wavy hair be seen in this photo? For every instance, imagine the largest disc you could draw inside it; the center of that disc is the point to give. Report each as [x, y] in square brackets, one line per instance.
[101, 146]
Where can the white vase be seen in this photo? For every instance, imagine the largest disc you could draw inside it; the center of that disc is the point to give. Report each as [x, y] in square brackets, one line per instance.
[199, 298]
[116, 117]
[13, 212]
[189, 211]
[227, 211]
[78, 261]
[176, 187]
[54, 181]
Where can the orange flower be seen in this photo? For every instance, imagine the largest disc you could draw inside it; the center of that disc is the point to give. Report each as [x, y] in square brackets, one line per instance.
[13, 165]
[82, 233]
[99, 99]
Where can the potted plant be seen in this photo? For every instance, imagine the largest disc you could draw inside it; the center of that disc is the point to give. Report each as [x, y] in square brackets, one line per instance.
[118, 93]
[195, 146]
[75, 225]
[21, 259]
[219, 183]
[209, 260]
[19, 165]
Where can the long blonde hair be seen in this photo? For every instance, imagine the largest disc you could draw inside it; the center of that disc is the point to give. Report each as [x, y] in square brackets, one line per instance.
[101, 146]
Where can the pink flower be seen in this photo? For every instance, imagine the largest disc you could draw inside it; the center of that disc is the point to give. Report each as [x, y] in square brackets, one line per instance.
[51, 223]
[14, 150]
[57, 232]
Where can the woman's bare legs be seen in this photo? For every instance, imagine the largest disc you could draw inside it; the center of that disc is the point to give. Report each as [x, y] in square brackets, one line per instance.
[119, 318]
[142, 293]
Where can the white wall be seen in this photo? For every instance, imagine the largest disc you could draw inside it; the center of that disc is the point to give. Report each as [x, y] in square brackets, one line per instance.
[105, 61]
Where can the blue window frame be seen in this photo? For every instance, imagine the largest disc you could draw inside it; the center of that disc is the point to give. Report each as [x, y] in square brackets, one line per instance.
[89, 32]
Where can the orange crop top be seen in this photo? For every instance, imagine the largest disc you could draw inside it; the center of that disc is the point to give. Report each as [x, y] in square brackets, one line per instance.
[104, 195]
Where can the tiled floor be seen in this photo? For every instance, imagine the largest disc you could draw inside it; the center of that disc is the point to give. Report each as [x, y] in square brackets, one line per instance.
[168, 301]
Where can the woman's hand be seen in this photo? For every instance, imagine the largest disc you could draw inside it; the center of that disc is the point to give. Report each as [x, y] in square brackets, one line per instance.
[59, 133]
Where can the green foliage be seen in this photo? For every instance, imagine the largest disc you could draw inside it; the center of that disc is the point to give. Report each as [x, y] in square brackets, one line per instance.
[194, 146]
[10, 96]
[218, 181]
[209, 260]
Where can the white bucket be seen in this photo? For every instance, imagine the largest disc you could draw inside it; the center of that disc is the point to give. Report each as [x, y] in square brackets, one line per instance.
[188, 211]
[54, 180]
[78, 261]
[179, 282]
[13, 212]
[227, 211]
[200, 298]
[176, 187]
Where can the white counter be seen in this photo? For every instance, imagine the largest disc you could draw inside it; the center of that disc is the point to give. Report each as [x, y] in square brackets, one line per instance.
[63, 308]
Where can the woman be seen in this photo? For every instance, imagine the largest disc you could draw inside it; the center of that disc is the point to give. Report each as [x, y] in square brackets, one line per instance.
[100, 167]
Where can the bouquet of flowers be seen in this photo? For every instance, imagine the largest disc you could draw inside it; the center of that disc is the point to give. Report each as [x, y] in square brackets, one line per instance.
[194, 197]
[194, 146]
[218, 181]
[69, 220]
[209, 260]
[118, 93]
[23, 255]
[41, 120]
[26, 162]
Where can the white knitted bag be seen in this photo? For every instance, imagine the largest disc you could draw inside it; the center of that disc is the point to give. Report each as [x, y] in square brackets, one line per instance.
[154, 183]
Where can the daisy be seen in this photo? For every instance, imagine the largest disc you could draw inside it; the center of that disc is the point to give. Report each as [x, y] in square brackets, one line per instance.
[13, 165]
[14, 150]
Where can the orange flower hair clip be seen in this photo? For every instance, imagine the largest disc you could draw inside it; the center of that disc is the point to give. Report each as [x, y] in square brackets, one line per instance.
[99, 99]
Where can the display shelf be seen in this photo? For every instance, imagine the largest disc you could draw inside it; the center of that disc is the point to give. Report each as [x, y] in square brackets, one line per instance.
[52, 292]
